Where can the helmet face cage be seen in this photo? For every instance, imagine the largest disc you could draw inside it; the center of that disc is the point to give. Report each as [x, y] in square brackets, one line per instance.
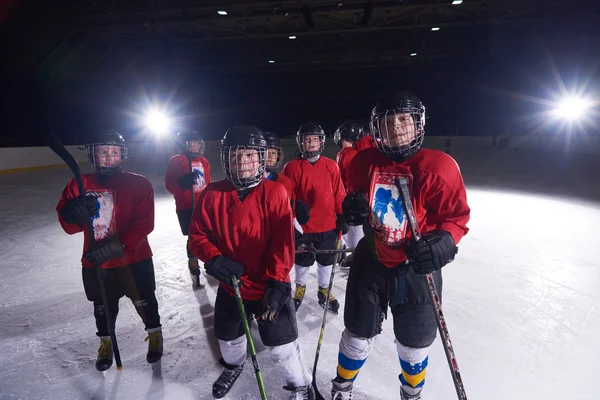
[201, 149]
[96, 163]
[244, 165]
[279, 150]
[398, 132]
[300, 138]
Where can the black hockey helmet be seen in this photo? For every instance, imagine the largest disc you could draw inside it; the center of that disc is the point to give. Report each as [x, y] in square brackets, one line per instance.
[273, 143]
[310, 129]
[244, 155]
[346, 131]
[106, 137]
[398, 126]
[187, 137]
[365, 130]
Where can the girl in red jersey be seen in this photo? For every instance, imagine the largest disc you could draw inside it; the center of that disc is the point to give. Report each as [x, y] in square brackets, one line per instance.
[179, 180]
[380, 276]
[243, 226]
[317, 182]
[121, 205]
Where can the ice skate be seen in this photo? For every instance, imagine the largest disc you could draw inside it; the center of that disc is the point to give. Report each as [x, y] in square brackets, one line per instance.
[299, 295]
[155, 345]
[347, 261]
[223, 385]
[105, 354]
[334, 305]
[301, 392]
[341, 389]
[410, 393]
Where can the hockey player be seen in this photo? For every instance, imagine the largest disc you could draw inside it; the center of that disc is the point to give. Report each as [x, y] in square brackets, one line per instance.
[380, 277]
[318, 183]
[179, 180]
[345, 137]
[242, 226]
[274, 161]
[121, 206]
[365, 139]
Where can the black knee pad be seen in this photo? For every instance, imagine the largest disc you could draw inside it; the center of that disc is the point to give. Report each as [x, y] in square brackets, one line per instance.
[283, 330]
[415, 325]
[364, 310]
[304, 259]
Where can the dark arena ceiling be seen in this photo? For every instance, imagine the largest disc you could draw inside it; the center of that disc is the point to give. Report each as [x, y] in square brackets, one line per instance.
[81, 39]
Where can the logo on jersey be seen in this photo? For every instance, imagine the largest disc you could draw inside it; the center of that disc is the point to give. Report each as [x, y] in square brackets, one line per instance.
[104, 221]
[198, 168]
[388, 217]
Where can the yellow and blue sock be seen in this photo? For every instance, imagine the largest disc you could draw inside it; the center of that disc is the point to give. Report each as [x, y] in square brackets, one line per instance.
[413, 375]
[348, 368]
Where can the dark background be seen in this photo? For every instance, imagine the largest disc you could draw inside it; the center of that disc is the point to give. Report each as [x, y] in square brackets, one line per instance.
[69, 66]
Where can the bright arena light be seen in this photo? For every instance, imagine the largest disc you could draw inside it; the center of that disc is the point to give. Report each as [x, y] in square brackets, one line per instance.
[158, 122]
[571, 108]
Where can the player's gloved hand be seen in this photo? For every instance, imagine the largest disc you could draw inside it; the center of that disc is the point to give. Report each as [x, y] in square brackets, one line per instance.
[78, 210]
[434, 250]
[276, 296]
[341, 224]
[186, 181]
[302, 211]
[355, 208]
[104, 250]
[221, 268]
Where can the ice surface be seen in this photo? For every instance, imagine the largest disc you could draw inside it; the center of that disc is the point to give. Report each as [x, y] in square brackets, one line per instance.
[520, 299]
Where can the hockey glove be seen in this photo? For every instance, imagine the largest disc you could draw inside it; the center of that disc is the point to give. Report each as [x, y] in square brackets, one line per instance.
[434, 250]
[341, 225]
[221, 268]
[186, 181]
[104, 250]
[355, 208]
[78, 210]
[276, 296]
[302, 212]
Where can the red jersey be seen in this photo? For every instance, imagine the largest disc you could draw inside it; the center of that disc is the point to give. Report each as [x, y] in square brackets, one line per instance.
[320, 187]
[343, 160]
[285, 181]
[126, 209]
[437, 191]
[365, 142]
[179, 165]
[257, 233]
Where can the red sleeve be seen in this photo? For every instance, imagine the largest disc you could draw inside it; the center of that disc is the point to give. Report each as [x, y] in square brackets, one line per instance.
[289, 170]
[358, 174]
[174, 170]
[70, 192]
[282, 245]
[141, 223]
[448, 201]
[338, 188]
[202, 242]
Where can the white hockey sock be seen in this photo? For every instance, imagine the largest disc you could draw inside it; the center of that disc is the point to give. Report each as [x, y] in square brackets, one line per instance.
[355, 233]
[353, 353]
[323, 275]
[290, 359]
[234, 351]
[301, 274]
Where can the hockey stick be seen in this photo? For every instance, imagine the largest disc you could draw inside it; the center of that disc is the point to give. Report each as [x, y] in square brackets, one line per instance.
[318, 395]
[63, 153]
[402, 184]
[261, 384]
[188, 155]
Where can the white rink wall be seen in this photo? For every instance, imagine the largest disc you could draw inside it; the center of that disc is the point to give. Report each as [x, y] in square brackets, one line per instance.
[22, 158]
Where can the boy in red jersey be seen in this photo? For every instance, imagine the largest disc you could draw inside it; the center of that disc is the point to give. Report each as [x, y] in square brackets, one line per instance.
[243, 226]
[121, 207]
[317, 182]
[179, 180]
[380, 276]
[365, 140]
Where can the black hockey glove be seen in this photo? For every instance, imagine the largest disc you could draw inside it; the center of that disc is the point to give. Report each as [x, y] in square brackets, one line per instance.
[78, 210]
[221, 268]
[302, 211]
[355, 208]
[432, 252]
[104, 250]
[341, 224]
[186, 181]
[276, 296]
